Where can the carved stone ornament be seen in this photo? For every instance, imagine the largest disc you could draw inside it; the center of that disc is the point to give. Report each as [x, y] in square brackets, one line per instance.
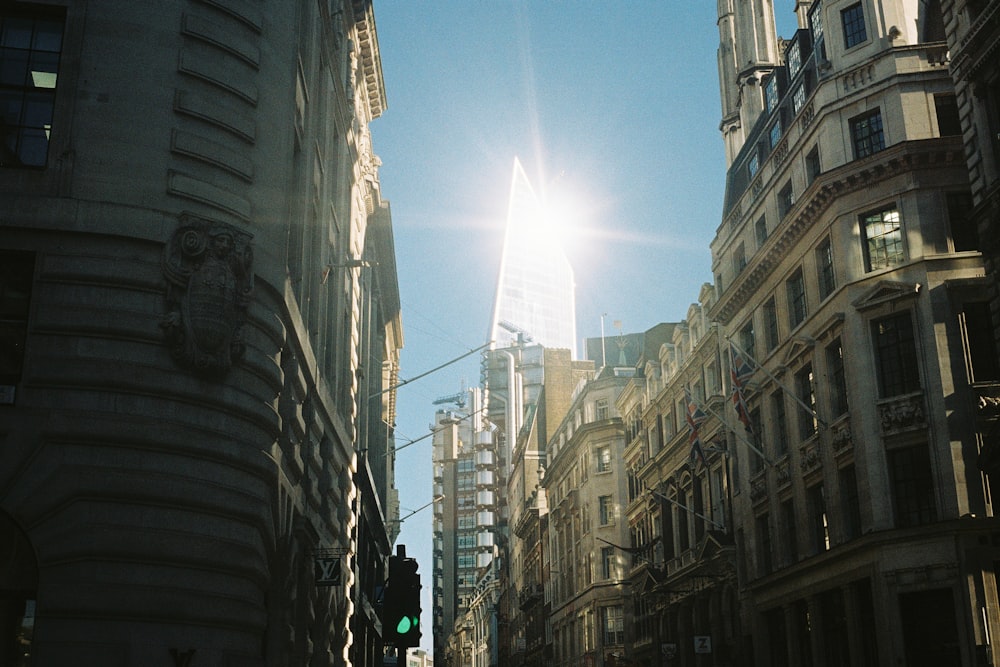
[901, 414]
[209, 270]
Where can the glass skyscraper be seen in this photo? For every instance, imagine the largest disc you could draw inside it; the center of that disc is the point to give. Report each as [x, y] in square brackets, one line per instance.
[535, 290]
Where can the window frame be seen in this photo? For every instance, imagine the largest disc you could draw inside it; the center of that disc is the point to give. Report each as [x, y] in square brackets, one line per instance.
[795, 292]
[886, 248]
[867, 133]
[825, 270]
[897, 370]
[35, 96]
[852, 20]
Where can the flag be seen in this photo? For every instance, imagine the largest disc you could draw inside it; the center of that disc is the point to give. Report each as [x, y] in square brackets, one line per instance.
[695, 416]
[739, 372]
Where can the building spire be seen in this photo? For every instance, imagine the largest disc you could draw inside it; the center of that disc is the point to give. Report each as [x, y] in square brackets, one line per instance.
[748, 52]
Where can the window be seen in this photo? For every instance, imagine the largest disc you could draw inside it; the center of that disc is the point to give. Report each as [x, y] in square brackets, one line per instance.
[867, 134]
[964, 234]
[882, 236]
[795, 288]
[824, 268]
[602, 411]
[760, 230]
[608, 564]
[946, 109]
[813, 169]
[770, 324]
[805, 389]
[757, 424]
[747, 338]
[614, 626]
[604, 459]
[794, 58]
[30, 44]
[912, 486]
[788, 528]
[798, 98]
[753, 165]
[785, 200]
[775, 134]
[818, 525]
[853, 19]
[771, 93]
[764, 565]
[895, 355]
[779, 422]
[605, 510]
[683, 535]
[838, 382]
[850, 502]
[17, 270]
[977, 342]
[816, 23]
[739, 259]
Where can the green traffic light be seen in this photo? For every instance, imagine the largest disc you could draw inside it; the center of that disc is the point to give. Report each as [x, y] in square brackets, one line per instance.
[406, 623]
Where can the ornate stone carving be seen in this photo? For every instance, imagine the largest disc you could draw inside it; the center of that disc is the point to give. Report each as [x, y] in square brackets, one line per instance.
[901, 414]
[209, 271]
[783, 471]
[810, 458]
[842, 438]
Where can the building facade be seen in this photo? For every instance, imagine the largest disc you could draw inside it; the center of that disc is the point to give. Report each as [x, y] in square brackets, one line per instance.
[973, 32]
[200, 330]
[848, 271]
[587, 531]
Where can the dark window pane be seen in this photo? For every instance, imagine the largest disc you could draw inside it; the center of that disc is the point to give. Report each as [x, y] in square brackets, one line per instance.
[964, 234]
[867, 134]
[16, 33]
[895, 355]
[912, 486]
[13, 68]
[48, 36]
[34, 147]
[946, 107]
[854, 25]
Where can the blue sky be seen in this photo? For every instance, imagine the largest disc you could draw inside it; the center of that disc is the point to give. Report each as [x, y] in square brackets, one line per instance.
[613, 106]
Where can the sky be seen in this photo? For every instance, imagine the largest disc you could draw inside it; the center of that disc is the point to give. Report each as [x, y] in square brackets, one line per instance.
[612, 108]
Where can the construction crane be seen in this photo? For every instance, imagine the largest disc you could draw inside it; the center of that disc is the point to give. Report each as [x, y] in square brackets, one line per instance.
[458, 399]
[522, 335]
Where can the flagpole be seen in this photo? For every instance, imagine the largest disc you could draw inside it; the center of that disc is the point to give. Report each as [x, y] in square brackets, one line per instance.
[741, 437]
[686, 509]
[768, 373]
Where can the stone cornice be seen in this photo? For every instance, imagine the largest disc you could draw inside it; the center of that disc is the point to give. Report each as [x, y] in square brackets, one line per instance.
[854, 176]
[371, 60]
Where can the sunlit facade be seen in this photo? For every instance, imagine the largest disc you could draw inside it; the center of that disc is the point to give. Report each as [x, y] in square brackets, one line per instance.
[536, 292]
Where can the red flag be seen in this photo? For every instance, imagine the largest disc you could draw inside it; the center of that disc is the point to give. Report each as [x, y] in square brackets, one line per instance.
[739, 371]
[695, 416]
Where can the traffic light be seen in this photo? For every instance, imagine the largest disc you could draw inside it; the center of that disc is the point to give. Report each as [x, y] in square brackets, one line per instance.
[408, 623]
[401, 602]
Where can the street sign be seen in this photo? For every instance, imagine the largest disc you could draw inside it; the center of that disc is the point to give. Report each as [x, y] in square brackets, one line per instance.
[327, 569]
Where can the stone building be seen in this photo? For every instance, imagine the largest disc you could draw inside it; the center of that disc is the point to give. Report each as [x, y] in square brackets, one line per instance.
[973, 32]
[849, 271]
[200, 328]
[585, 484]
[682, 568]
